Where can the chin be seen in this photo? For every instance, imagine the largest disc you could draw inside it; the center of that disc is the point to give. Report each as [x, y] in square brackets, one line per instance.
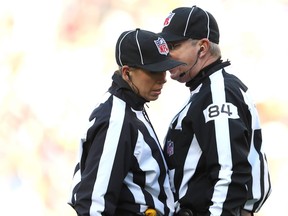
[182, 81]
[153, 98]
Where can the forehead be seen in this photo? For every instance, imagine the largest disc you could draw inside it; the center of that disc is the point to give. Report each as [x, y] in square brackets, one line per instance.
[177, 42]
[146, 73]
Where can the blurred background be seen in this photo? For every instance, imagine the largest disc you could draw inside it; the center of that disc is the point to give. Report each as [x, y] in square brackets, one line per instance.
[57, 59]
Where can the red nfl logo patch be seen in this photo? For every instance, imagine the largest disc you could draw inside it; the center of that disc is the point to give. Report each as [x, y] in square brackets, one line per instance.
[168, 19]
[162, 46]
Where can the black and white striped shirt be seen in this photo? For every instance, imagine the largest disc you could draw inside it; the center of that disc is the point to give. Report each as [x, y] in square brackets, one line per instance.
[214, 147]
[121, 166]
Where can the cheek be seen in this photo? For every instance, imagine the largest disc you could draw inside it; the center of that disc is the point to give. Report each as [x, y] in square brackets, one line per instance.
[144, 85]
[187, 55]
[183, 55]
[147, 85]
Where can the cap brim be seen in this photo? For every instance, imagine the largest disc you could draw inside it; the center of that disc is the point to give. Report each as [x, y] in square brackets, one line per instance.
[161, 66]
[168, 37]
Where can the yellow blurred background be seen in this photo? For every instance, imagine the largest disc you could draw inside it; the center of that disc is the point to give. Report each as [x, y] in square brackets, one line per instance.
[57, 58]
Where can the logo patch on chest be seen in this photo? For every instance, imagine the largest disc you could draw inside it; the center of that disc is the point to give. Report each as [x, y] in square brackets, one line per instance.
[170, 148]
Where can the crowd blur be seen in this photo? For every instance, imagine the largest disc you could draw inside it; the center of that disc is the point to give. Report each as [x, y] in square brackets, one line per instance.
[57, 58]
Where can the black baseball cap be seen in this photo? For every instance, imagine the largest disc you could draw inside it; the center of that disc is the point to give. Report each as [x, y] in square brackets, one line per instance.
[190, 22]
[144, 49]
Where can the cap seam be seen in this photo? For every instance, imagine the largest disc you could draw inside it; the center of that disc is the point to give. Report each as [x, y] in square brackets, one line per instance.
[187, 22]
[139, 48]
[208, 25]
[119, 47]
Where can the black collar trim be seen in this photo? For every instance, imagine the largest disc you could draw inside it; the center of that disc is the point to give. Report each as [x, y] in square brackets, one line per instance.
[121, 89]
[205, 72]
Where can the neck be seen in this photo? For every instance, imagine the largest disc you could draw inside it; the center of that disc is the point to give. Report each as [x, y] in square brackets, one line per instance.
[209, 60]
[206, 71]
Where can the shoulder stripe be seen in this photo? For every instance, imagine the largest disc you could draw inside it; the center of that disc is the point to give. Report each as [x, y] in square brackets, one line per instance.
[223, 145]
[109, 151]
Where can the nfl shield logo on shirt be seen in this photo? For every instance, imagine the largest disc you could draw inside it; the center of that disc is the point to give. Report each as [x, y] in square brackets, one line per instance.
[170, 148]
[162, 46]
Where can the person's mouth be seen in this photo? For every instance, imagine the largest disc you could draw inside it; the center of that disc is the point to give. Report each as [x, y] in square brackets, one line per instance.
[157, 91]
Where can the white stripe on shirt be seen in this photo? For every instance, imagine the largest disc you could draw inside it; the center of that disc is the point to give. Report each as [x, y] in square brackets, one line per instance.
[223, 145]
[108, 154]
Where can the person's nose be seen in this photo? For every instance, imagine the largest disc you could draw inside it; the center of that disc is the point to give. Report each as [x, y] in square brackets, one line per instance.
[172, 54]
[173, 70]
[162, 77]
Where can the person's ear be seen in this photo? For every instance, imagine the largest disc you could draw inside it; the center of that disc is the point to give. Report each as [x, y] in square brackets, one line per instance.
[125, 73]
[204, 46]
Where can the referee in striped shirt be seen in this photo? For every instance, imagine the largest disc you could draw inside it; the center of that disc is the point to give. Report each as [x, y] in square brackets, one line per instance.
[121, 169]
[214, 145]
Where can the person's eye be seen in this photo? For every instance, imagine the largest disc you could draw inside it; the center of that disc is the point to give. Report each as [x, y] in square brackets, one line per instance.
[170, 46]
[173, 46]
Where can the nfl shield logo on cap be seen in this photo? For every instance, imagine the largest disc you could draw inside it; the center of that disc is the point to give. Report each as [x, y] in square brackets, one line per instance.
[168, 19]
[162, 46]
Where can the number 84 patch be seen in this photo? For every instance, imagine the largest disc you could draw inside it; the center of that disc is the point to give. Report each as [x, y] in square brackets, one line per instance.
[226, 110]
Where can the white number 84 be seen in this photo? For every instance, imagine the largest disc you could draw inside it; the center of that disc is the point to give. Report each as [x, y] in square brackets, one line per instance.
[226, 110]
